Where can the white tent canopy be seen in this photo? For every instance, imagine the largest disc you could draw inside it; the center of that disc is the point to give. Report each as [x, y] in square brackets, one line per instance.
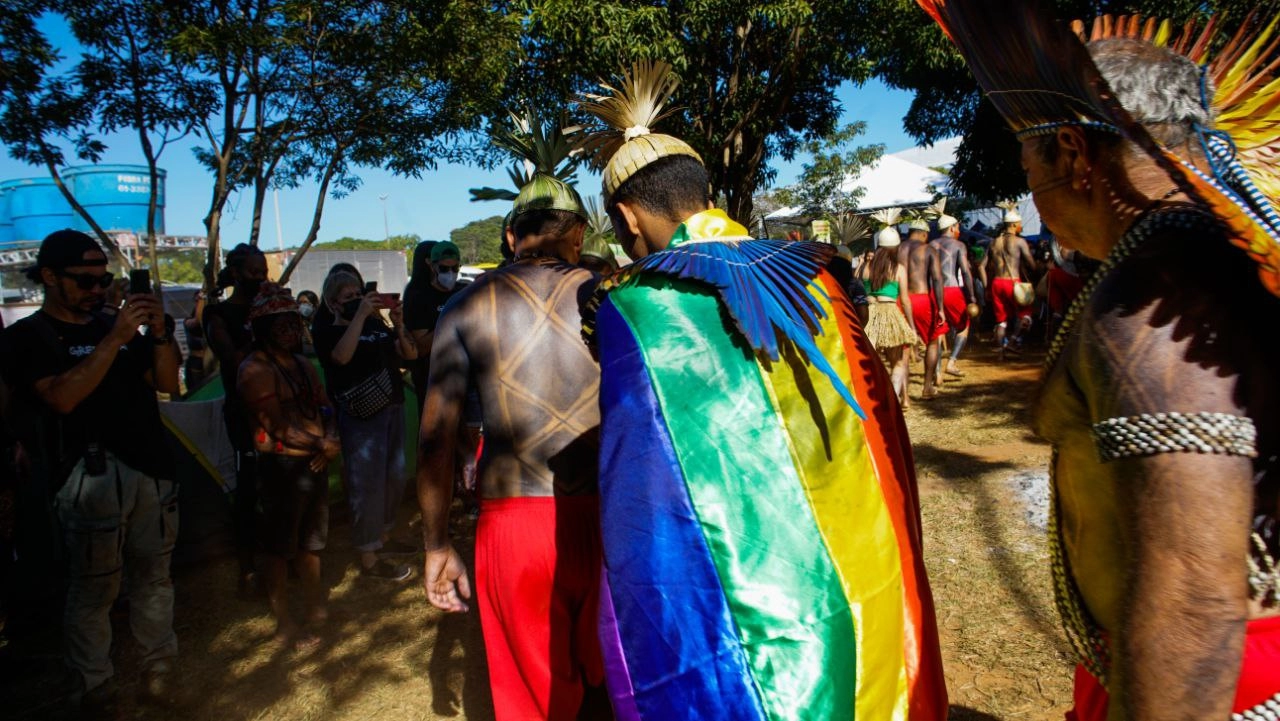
[889, 182]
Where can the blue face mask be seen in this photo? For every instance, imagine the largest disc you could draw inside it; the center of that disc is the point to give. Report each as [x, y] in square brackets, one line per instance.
[447, 279]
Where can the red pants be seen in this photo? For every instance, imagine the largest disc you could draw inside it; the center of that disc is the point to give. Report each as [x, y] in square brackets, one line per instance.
[1003, 304]
[1063, 288]
[955, 308]
[1259, 675]
[538, 564]
[930, 325]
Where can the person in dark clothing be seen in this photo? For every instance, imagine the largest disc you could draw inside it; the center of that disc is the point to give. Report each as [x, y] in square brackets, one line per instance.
[422, 307]
[93, 379]
[323, 315]
[226, 327]
[361, 357]
[417, 308]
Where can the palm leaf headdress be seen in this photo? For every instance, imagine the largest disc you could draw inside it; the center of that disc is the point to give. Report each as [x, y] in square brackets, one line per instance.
[625, 142]
[538, 148]
[1040, 77]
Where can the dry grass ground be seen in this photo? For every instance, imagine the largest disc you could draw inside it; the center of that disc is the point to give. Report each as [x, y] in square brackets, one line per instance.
[387, 655]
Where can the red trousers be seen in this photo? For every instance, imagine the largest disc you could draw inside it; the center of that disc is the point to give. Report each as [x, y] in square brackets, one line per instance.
[538, 563]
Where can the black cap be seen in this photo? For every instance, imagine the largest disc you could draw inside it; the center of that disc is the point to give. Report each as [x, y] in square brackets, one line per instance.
[66, 249]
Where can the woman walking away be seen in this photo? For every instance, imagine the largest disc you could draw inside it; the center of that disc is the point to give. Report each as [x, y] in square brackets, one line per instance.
[362, 358]
[888, 311]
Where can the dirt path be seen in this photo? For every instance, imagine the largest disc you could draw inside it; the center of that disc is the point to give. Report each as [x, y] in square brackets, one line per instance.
[984, 494]
[388, 656]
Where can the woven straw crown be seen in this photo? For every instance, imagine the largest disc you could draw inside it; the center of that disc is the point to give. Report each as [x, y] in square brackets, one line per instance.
[626, 143]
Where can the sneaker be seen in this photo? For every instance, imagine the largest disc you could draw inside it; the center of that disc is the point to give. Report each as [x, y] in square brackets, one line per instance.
[398, 548]
[101, 701]
[158, 685]
[387, 570]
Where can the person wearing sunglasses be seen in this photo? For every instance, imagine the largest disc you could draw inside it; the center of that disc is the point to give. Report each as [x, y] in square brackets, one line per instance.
[94, 427]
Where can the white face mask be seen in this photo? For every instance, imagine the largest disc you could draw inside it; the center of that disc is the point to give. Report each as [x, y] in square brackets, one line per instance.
[447, 280]
[306, 309]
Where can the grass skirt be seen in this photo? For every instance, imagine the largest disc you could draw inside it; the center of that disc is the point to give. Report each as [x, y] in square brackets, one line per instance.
[887, 327]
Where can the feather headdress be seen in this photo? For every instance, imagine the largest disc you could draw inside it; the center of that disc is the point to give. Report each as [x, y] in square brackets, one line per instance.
[539, 148]
[1244, 75]
[1040, 77]
[628, 113]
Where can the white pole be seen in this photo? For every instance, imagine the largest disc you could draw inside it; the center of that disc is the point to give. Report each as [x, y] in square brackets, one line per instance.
[279, 234]
[386, 229]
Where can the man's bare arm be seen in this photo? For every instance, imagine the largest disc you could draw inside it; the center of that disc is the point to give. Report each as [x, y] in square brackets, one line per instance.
[1183, 518]
[1182, 627]
[438, 435]
[936, 280]
[444, 576]
[1026, 263]
[966, 275]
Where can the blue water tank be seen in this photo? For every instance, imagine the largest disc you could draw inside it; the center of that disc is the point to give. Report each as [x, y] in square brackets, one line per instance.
[6, 223]
[116, 196]
[37, 208]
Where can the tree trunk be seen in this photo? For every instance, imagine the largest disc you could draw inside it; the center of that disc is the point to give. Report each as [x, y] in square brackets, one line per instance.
[329, 171]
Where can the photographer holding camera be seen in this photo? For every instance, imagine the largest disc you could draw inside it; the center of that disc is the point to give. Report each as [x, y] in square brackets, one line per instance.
[91, 382]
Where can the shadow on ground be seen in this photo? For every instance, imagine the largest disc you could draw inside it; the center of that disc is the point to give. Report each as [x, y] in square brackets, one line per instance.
[385, 654]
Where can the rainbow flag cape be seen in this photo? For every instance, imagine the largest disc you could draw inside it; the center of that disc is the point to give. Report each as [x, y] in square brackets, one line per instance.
[762, 540]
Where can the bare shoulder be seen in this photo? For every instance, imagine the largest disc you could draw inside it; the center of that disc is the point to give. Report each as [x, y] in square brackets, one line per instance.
[1174, 328]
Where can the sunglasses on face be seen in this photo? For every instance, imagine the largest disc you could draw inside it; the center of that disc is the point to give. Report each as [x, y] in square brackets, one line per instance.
[88, 281]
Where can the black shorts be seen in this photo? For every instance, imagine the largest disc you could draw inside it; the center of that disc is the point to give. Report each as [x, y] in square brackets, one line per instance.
[295, 505]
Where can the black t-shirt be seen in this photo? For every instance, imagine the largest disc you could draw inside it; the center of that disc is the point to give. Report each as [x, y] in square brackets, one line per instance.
[122, 413]
[422, 308]
[422, 312]
[236, 318]
[375, 351]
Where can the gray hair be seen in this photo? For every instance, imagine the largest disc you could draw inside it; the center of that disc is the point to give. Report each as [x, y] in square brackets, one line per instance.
[1160, 88]
[334, 284]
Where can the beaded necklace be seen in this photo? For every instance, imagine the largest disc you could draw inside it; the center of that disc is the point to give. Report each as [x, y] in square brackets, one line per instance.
[1083, 633]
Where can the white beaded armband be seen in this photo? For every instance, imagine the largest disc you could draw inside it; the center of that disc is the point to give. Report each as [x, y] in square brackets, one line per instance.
[1152, 433]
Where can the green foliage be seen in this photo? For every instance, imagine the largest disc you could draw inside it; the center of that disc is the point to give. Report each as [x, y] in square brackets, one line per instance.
[480, 241]
[821, 190]
[912, 53]
[184, 266]
[758, 78]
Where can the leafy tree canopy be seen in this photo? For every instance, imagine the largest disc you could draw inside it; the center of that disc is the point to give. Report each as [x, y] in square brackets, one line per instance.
[821, 190]
[758, 78]
[480, 241]
[911, 53]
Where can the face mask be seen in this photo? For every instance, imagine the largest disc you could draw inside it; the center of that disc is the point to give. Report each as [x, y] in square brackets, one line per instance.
[447, 279]
[350, 308]
[306, 309]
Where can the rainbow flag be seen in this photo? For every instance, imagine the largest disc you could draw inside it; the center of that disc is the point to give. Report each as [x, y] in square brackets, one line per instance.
[762, 542]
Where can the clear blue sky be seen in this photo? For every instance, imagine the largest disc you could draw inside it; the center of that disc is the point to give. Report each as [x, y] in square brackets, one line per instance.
[430, 206]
